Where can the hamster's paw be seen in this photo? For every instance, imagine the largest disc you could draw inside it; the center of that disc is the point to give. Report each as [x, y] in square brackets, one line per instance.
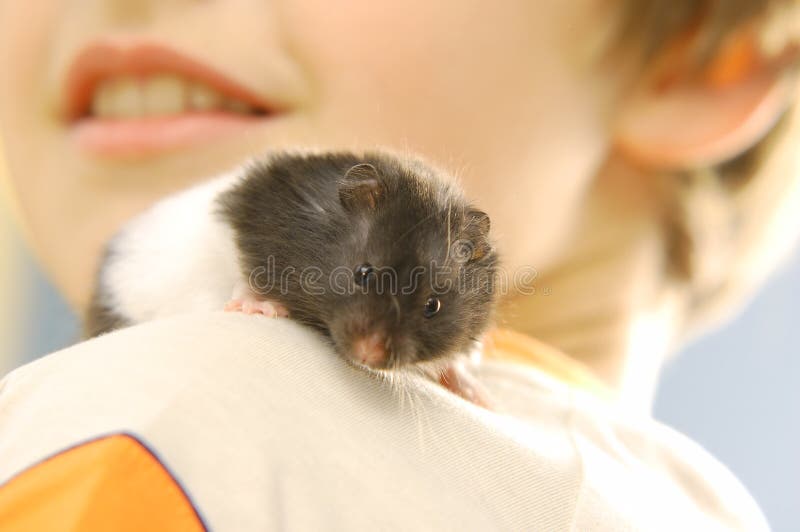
[271, 309]
[458, 379]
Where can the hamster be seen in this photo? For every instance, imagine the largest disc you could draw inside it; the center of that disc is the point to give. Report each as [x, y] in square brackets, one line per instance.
[381, 254]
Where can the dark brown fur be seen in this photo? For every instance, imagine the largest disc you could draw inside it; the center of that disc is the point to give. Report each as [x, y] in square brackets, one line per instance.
[332, 212]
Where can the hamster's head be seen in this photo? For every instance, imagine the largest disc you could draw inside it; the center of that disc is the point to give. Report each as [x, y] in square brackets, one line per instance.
[418, 264]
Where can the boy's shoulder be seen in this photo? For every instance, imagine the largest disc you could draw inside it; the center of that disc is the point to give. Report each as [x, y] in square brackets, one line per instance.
[633, 468]
[260, 423]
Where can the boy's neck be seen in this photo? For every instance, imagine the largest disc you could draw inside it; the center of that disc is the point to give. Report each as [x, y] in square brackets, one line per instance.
[608, 302]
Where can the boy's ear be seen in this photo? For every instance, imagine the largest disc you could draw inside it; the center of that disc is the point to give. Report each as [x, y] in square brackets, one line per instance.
[677, 121]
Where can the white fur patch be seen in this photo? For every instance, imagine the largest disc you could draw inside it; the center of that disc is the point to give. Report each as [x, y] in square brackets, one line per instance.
[176, 257]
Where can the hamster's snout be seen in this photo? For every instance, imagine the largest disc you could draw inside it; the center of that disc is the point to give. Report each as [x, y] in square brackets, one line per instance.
[370, 349]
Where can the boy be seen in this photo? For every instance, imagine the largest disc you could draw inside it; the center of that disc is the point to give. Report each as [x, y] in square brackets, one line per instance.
[636, 153]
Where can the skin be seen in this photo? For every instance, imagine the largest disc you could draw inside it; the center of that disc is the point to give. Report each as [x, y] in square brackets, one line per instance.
[503, 132]
[503, 98]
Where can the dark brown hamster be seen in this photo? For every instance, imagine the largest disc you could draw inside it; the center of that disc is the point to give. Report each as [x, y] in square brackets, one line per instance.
[378, 252]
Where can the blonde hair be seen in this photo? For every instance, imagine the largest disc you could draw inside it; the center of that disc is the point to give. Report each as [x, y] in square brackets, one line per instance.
[727, 226]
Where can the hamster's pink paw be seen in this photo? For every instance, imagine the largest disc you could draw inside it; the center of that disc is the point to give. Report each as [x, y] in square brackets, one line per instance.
[461, 382]
[234, 305]
[271, 309]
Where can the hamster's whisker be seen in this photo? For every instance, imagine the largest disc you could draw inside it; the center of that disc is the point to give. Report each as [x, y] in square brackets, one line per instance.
[449, 231]
[396, 306]
[413, 227]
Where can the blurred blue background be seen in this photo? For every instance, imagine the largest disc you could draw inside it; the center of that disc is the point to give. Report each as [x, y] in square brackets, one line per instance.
[734, 391]
[737, 392]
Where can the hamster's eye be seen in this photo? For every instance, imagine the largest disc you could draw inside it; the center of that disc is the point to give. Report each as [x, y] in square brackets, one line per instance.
[361, 273]
[432, 306]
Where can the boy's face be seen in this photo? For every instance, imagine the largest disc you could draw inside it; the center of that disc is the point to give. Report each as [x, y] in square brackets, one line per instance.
[493, 93]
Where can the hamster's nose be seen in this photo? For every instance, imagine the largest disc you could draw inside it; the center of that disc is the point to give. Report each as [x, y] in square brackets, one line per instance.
[370, 350]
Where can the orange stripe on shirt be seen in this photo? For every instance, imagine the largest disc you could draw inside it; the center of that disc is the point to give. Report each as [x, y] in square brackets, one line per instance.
[111, 483]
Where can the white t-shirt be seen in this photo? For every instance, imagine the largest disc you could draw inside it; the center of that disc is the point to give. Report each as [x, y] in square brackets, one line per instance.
[265, 428]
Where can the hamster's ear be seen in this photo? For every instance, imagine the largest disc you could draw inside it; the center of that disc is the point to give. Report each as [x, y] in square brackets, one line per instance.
[681, 118]
[477, 229]
[480, 221]
[361, 187]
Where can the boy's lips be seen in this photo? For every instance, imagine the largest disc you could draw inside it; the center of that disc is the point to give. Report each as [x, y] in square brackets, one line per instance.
[141, 99]
[145, 136]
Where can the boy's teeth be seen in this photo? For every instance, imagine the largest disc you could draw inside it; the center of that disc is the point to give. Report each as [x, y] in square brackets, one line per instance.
[101, 103]
[202, 98]
[118, 98]
[236, 106]
[161, 95]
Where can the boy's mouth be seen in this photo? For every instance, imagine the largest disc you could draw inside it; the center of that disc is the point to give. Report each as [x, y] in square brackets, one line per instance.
[147, 98]
[125, 98]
